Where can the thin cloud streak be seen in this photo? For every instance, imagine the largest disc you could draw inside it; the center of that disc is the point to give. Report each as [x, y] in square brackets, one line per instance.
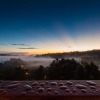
[27, 48]
[21, 44]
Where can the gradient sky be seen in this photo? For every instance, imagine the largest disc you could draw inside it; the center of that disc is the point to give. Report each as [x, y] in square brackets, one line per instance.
[42, 26]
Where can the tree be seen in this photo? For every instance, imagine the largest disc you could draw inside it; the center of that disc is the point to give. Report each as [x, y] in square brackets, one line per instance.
[39, 73]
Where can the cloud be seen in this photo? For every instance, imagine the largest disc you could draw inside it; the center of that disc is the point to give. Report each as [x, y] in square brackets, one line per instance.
[12, 53]
[27, 48]
[21, 44]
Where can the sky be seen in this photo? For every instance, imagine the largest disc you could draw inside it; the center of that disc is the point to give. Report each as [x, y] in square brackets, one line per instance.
[47, 26]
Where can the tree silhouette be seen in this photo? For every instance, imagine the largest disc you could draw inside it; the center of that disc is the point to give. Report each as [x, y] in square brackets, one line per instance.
[59, 69]
[70, 69]
[91, 70]
[40, 73]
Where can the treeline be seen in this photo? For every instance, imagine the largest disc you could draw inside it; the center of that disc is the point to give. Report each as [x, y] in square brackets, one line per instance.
[59, 69]
[72, 54]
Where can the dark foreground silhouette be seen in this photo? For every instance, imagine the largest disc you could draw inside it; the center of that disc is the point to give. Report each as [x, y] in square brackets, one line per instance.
[59, 69]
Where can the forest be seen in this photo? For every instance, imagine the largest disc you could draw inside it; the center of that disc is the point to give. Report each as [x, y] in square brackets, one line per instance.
[59, 69]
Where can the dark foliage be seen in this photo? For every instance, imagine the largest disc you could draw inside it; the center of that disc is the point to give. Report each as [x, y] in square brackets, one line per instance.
[59, 69]
[71, 70]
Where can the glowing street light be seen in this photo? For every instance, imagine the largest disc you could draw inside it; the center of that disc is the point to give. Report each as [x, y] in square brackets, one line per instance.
[27, 74]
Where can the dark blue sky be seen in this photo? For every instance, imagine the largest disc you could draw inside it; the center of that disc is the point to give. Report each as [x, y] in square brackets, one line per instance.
[41, 23]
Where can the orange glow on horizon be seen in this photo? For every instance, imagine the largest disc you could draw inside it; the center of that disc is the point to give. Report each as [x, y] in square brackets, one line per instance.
[47, 52]
[41, 52]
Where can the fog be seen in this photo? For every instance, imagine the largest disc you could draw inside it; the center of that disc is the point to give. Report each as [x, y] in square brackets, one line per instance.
[95, 59]
[33, 61]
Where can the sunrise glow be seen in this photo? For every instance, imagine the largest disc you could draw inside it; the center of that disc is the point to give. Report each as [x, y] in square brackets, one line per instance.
[32, 28]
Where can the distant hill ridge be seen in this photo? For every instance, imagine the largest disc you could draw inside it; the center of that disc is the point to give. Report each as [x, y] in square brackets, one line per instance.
[72, 54]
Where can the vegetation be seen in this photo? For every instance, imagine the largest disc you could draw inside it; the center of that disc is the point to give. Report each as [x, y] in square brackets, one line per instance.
[90, 53]
[59, 69]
